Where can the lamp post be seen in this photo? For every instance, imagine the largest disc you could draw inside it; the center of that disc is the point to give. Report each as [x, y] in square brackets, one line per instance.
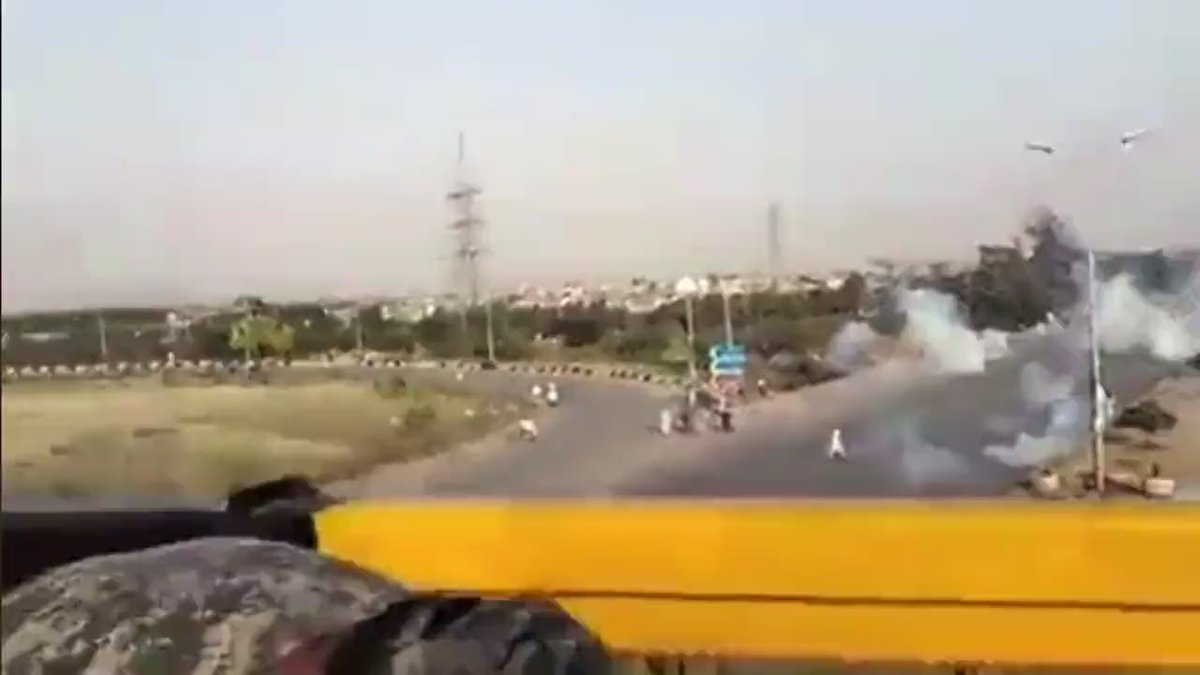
[688, 288]
[1097, 392]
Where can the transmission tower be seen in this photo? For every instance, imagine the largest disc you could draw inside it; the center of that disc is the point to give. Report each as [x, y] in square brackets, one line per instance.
[774, 241]
[468, 230]
[467, 227]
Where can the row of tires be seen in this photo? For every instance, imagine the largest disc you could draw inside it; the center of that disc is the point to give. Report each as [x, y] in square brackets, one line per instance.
[121, 368]
[125, 368]
[587, 370]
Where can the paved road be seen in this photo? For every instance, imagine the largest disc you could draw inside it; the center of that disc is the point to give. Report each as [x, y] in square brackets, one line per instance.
[923, 440]
[596, 437]
[600, 443]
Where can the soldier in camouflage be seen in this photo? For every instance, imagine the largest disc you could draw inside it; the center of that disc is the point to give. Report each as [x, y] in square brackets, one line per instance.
[225, 606]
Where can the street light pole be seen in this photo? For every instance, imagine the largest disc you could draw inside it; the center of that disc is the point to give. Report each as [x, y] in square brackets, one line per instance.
[1097, 393]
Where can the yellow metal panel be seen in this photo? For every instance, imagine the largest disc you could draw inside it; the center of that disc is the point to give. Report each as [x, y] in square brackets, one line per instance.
[1013, 581]
[896, 633]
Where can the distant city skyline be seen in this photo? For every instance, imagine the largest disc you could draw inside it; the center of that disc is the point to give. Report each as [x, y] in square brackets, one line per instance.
[179, 152]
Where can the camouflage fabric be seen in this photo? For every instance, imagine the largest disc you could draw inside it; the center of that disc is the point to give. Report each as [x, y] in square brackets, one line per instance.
[234, 606]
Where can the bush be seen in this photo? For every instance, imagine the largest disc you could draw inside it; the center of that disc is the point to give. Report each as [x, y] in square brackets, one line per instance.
[420, 417]
[391, 387]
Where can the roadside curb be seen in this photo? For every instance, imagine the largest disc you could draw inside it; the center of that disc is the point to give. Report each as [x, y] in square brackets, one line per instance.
[212, 366]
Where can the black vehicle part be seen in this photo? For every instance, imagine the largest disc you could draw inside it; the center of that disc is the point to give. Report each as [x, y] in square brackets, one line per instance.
[431, 633]
[290, 493]
[34, 542]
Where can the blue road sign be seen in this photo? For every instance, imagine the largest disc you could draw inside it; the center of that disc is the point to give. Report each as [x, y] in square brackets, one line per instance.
[727, 359]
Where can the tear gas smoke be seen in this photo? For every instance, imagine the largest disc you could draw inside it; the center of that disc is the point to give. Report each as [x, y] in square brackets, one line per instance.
[1046, 414]
[937, 326]
[1129, 320]
[851, 346]
[934, 325]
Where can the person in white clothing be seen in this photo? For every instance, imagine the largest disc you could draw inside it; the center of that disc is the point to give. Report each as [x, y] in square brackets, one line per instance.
[536, 391]
[552, 394]
[529, 430]
[836, 449]
[1110, 407]
[665, 421]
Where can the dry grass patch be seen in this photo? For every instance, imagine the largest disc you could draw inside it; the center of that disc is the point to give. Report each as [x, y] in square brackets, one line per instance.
[141, 438]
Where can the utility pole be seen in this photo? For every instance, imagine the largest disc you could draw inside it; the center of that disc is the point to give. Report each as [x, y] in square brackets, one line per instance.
[103, 337]
[468, 229]
[1099, 397]
[1098, 394]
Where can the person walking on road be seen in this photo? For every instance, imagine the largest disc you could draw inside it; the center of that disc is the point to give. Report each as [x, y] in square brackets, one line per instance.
[528, 429]
[725, 414]
[836, 449]
[763, 391]
[665, 420]
[552, 394]
[535, 392]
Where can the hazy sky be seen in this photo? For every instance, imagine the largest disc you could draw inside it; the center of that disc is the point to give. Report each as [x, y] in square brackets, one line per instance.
[177, 150]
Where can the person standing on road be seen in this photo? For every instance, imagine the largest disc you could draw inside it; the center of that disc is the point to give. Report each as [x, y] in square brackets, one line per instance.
[836, 449]
[535, 392]
[552, 394]
[665, 421]
[725, 413]
[763, 391]
[1108, 407]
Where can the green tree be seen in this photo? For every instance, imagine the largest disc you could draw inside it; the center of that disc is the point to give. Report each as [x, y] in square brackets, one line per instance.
[257, 336]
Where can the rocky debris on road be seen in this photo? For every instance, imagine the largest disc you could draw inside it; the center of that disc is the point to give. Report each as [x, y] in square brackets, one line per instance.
[1147, 415]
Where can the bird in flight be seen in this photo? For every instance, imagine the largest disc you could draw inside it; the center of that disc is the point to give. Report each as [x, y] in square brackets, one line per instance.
[1040, 147]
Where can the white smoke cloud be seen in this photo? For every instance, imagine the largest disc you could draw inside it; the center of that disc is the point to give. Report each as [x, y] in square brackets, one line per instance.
[1040, 387]
[923, 464]
[1128, 320]
[1047, 417]
[936, 325]
[851, 347]
[1029, 451]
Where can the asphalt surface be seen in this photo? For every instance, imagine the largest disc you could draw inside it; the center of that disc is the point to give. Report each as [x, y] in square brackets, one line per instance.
[909, 434]
[597, 436]
[926, 439]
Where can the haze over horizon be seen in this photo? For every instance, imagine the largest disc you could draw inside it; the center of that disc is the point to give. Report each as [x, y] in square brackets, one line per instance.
[178, 151]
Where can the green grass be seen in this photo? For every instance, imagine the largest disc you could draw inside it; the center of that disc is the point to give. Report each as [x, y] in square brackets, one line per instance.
[138, 437]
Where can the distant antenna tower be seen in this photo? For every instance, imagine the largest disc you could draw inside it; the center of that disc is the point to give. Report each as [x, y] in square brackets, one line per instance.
[774, 240]
[468, 228]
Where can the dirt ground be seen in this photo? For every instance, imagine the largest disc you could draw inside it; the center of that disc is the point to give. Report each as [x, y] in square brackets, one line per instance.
[1176, 451]
[1132, 451]
[139, 437]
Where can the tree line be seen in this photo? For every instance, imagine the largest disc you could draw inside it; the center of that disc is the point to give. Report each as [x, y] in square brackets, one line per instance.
[1005, 290]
